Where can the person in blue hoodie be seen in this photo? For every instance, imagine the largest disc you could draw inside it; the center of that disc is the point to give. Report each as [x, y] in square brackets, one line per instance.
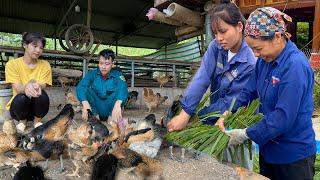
[225, 67]
[283, 81]
[103, 90]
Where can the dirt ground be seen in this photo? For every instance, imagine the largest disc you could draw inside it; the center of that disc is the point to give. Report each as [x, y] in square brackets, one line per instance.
[204, 168]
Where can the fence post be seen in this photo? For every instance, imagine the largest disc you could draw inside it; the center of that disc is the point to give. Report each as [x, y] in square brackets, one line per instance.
[132, 74]
[175, 84]
[84, 67]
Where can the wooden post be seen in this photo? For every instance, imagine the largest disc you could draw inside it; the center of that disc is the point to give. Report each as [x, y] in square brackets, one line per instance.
[316, 28]
[89, 12]
[175, 85]
[132, 74]
[117, 48]
[310, 34]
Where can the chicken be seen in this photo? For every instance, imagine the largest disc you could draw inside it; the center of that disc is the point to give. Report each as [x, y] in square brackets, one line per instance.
[64, 81]
[105, 167]
[152, 100]
[39, 150]
[144, 166]
[163, 80]
[29, 172]
[99, 130]
[73, 100]
[132, 98]
[47, 149]
[52, 130]
[81, 135]
[8, 138]
[174, 110]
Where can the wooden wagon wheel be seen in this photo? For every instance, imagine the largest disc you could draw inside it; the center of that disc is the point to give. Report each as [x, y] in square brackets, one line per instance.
[62, 37]
[79, 38]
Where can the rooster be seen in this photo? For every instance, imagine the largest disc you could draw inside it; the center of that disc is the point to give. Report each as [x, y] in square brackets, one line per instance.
[163, 80]
[52, 130]
[8, 138]
[152, 100]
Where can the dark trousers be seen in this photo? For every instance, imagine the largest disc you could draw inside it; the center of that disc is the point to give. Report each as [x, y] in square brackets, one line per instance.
[25, 108]
[299, 170]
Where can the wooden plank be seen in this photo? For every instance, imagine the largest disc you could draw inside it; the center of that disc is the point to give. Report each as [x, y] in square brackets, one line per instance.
[316, 28]
[281, 6]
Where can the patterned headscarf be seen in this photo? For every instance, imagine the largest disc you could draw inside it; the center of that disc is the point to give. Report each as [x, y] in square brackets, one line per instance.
[264, 22]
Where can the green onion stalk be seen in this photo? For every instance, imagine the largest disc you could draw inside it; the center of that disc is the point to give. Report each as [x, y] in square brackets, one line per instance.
[210, 139]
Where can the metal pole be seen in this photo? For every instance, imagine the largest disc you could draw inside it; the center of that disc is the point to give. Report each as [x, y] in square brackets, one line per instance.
[132, 74]
[85, 67]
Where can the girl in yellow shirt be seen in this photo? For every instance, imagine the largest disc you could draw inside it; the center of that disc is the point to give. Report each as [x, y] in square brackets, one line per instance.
[29, 76]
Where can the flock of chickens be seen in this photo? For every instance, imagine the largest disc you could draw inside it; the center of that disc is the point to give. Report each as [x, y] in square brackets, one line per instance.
[105, 146]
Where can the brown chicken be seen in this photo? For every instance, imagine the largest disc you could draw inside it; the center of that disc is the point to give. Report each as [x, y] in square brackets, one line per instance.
[64, 81]
[72, 99]
[80, 136]
[8, 138]
[163, 80]
[52, 130]
[152, 100]
[38, 151]
[145, 167]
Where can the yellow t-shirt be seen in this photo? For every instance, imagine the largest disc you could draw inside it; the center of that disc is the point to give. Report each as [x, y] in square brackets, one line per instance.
[18, 72]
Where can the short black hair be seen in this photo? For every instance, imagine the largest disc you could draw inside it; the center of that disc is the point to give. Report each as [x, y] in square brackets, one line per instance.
[228, 12]
[33, 37]
[107, 53]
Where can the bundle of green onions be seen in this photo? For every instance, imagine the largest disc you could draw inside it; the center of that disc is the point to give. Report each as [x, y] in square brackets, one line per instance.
[317, 168]
[210, 139]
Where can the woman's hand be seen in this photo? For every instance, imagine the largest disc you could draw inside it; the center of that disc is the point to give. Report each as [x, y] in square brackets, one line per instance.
[85, 107]
[220, 122]
[178, 122]
[37, 88]
[117, 111]
[30, 90]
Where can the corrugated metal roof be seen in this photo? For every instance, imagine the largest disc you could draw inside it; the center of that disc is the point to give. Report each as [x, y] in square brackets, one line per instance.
[110, 20]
